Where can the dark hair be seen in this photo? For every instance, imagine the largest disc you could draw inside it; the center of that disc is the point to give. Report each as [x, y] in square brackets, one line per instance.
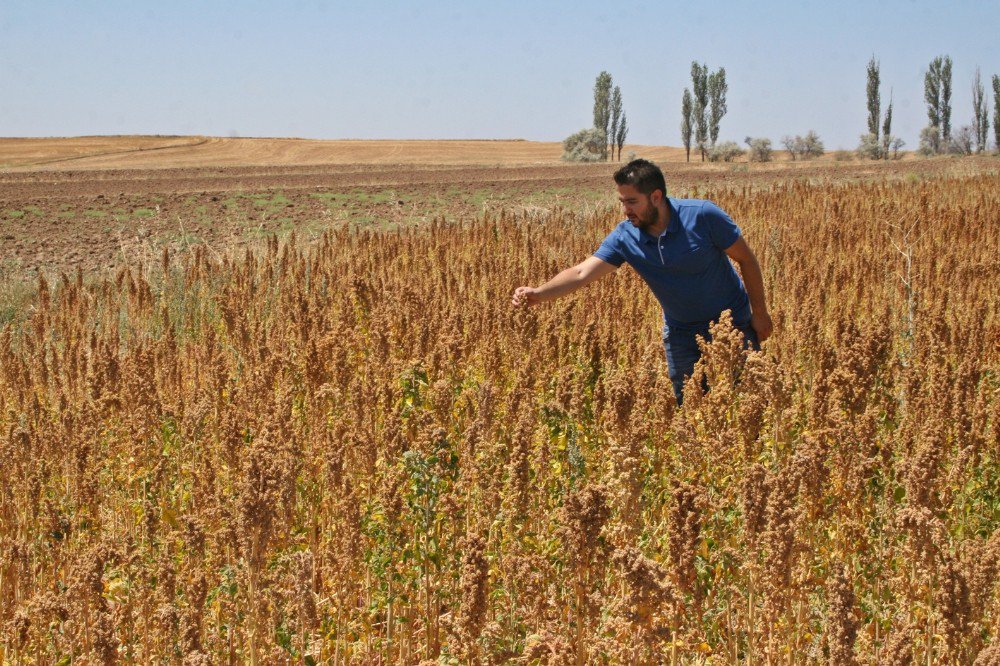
[643, 175]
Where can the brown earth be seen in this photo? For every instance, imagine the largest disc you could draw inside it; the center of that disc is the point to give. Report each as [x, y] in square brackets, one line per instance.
[142, 152]
[94, 203]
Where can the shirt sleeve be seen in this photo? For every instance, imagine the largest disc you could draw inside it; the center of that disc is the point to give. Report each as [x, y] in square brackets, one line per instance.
[721, 229]
[609, 252]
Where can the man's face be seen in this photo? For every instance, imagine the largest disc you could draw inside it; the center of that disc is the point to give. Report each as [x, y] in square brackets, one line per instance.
[639, 208]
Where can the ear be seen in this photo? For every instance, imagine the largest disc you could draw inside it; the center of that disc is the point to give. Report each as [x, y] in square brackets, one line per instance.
[656, 197]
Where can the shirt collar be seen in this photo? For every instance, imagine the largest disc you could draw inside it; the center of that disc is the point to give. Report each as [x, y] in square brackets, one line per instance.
[673, 226]
[675, 220]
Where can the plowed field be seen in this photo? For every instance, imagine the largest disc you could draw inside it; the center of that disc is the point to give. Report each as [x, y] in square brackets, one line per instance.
[96, 202]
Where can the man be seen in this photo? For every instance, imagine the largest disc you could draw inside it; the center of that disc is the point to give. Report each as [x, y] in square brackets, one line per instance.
[681, 248]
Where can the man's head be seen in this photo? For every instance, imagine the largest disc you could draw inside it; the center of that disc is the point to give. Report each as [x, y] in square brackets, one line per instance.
[642, 192]
[643, 175]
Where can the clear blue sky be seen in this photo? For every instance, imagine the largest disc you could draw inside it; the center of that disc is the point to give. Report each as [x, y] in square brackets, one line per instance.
[501, 69]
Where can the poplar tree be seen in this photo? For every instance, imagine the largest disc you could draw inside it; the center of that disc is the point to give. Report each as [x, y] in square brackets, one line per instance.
[874, 99]
[616, 117]
[946, 101]
[996, 111]
[937, 93]
[932, 95]
[981, 120]
[687, 109]
[887, 127]
[699, 81]
[621, 134]
[717, 90]
[602, 104]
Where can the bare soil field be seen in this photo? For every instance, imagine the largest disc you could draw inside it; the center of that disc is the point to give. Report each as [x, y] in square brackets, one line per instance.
[95, 203]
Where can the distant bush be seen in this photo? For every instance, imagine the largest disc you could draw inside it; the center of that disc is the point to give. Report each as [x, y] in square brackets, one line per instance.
[811, 145]
[727, 151]
[870, 147]
[962, 140]
[760, 149]
[806, 146]
[930, 141]
[843, 156]
[587, 145]
[791, 145]
[894, 145]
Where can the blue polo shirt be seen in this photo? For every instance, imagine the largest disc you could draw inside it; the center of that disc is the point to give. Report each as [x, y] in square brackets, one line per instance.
[686, 266]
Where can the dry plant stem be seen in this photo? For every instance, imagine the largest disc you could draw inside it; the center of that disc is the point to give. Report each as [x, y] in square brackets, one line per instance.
[751, 623]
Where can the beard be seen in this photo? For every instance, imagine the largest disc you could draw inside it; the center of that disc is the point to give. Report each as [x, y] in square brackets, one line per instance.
[649, 220]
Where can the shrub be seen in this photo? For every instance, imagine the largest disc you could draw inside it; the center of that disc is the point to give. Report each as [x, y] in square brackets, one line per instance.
[962, 140]
[789, 143]
[807, 146]
[930, 141]
[810, 145]
[760, 149]
[895, 143]
[870, 148]
[727, 151]
[587, 145]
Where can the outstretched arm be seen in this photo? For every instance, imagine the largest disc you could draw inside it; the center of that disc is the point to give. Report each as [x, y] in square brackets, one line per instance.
[566, 282]
[753, 280]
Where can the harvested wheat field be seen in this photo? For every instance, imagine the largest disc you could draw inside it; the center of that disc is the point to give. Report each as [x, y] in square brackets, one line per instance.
[143, 152]
[287, 414]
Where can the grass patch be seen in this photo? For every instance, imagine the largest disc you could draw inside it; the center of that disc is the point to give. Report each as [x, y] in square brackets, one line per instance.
[14, 214]
[15, 293]
[361, 197]
[143, 212]
[94, 213]
[269, 201]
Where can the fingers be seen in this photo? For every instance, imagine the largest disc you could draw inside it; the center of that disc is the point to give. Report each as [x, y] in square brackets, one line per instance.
[522, 296]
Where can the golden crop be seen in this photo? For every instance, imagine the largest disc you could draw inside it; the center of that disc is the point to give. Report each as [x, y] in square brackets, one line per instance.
[358, 452]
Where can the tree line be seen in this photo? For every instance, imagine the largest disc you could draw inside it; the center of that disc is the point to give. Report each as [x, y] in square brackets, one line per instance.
[703, 106]
[937, 137]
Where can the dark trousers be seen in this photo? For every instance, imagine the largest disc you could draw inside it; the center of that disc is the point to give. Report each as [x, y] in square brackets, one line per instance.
[681, 347]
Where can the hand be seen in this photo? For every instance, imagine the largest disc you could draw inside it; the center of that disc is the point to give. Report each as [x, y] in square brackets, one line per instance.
[525, 296]
[762, 325]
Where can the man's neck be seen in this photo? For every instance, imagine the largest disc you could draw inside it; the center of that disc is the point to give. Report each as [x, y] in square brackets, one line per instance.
[662, 223]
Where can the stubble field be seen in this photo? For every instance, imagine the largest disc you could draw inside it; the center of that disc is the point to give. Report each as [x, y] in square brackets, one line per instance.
[279, 412]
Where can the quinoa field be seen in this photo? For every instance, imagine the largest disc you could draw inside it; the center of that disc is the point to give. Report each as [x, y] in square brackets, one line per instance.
[286, 414]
